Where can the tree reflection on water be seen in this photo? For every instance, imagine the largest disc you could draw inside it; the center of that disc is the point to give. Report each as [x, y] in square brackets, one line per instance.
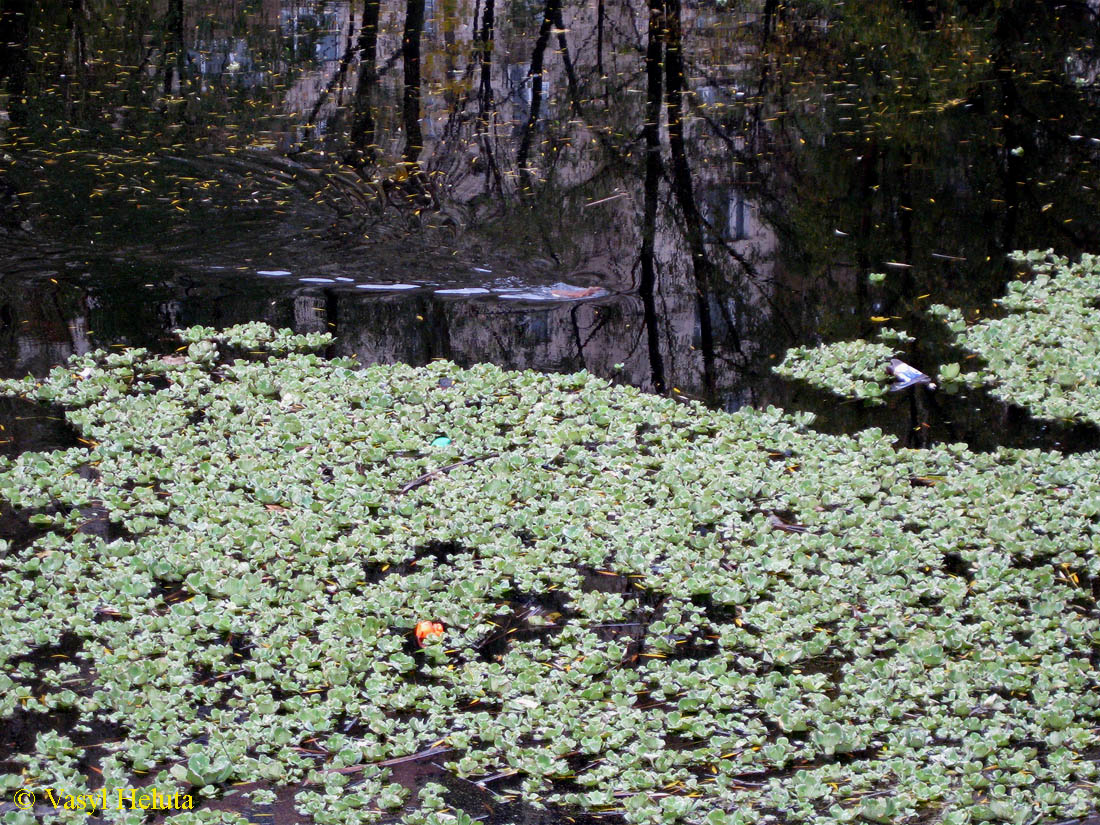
[730, 173]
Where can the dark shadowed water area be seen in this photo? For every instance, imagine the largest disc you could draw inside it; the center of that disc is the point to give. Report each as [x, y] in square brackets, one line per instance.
[667, 195]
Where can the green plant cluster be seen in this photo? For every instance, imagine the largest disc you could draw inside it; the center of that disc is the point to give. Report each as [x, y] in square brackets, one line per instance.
[853, 369]
[627, 629]
[1044, 354]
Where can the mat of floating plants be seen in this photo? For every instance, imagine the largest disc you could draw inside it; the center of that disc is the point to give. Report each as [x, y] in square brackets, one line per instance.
[625, 607]
[1042, 354]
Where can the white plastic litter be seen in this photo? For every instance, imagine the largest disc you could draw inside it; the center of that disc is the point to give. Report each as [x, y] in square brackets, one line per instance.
[907, 376]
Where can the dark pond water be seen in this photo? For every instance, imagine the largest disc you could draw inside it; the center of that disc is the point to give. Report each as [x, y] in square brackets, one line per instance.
[682, 189]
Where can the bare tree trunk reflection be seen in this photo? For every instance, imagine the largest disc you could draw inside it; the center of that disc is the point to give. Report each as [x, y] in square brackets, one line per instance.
[173, 46]
[410, 102]
[485, 104]
[771, 8]
[484, 37]
[600, 13]
[549, 15]
[450, 20]
[906, 206]
[362, 138]
[567, 61]
[1013, 167]
[703, 268]
[80, 47]
[14, 40]
[868, 186]
[651, 130]
[338, 79]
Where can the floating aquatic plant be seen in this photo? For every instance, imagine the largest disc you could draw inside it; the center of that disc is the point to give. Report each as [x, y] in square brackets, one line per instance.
[1044, 354]
[228, 575]
[853, 369]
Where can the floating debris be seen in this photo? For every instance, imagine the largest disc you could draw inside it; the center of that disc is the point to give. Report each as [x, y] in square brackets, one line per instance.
[555, 292]
[907, 376]
[469, 290]
[587, 292]
[427, 632]
[605, 200]
[776, 523]
[267, 273]
[387, 287]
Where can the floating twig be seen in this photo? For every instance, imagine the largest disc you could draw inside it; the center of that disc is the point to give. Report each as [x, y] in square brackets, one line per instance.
[424, 479]
[412, 757]
[605, 200]
[495, 777]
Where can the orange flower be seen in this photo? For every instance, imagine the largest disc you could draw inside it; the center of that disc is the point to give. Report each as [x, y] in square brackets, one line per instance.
[426, 630]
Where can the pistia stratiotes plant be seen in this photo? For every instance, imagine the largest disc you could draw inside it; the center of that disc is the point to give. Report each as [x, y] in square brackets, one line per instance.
[627, 629]
[854, 369]
[1043, 354]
